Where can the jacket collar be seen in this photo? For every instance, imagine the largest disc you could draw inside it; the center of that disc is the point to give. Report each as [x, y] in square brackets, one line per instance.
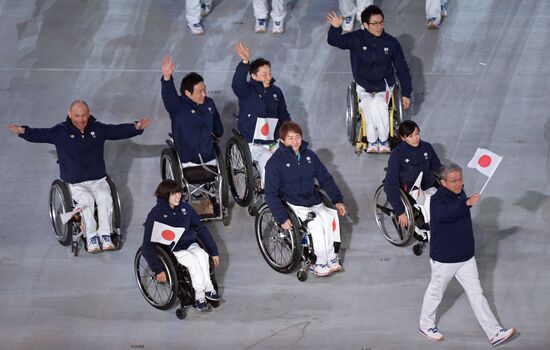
[259, 86]
[288, 151]
[75, 129]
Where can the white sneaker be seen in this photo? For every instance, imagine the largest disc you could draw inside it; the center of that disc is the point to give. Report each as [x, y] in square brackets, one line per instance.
[372, 147]
[93, 244]
[384, 147]
[431, 333]
[432, 23]
[205, 9]
[278, 27]
[106, 243]
[261, 25]
[347, 24]
[334, 265]
[195, 29]
[502, 335]
[321, 270]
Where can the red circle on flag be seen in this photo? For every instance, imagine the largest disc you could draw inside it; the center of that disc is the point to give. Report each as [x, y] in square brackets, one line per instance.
[484, 161]
[265, 129]
[168, 235]
[333, 225]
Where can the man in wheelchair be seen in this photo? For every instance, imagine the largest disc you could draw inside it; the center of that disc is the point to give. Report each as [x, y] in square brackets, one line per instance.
[411, 157]
[376, 58]
[180, 216]
[290, 176]
[79, 142]
[262, 106]
[194, 116]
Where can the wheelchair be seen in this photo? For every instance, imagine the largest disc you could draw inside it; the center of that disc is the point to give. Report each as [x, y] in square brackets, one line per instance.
[163, 295]
[243, 175]
[386, 219]
[286, 250]
[72, 232]
[200, 183]
[356, 127]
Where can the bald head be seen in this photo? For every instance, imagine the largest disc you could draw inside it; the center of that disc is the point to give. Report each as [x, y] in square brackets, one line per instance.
[79, 114]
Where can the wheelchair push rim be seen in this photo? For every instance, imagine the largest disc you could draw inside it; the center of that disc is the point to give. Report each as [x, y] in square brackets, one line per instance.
[352, 114]
[386, 219]
[159, 295]
[60, 203]
[280, 248]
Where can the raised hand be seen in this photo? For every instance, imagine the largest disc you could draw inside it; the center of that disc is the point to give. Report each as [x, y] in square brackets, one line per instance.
[168, 67]
[243, 51]
[334, 19]
[16, 129]
[143, 123]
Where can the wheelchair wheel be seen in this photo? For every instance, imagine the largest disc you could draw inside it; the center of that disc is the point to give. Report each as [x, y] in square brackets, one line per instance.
[169, 167]
[239, 170]
[61, 202]
[160, 295]
[387, 220]
[398, 114]
[116, 218]
[353, 124]
[280, 248]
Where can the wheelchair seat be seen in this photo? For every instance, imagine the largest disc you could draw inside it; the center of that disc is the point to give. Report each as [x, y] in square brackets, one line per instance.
[178, 281]
[198, 175]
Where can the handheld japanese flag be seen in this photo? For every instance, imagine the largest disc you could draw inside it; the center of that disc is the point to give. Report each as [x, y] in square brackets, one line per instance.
[165, 234]
[486, 162]
[416, 191]
[334, 224]
[67, 216]
[265, 129]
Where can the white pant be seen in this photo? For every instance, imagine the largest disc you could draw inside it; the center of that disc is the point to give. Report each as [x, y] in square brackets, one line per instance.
[433, 9]
[278, 10]
[375, 110]
[348, 8]
[467, 276]
[197, 261]
[213, 162]
[86, 194]
[320, 229]
[261, 154]
[193, 10]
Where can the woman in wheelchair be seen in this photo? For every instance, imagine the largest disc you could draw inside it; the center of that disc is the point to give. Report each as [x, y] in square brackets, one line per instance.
[178, 215]
[290, 177]
[262, 106]
[411, 157]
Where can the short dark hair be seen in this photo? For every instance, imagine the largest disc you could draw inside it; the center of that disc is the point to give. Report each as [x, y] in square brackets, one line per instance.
[370, 11]
[257, 63]
[407, 127]
[189, 81]
[166, 188]
[287, 127]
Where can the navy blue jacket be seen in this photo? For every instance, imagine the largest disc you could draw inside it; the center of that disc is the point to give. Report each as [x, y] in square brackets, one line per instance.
[255, 101]
[452, 236]
[292, 179]
[80, 155]
[192, 124]
[373, 59]
[181, 216]
[404, 165]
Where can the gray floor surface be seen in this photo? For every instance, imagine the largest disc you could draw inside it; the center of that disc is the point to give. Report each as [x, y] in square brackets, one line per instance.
[479, 81]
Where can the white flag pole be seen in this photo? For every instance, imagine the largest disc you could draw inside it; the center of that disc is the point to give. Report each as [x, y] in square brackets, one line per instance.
[486, 182]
